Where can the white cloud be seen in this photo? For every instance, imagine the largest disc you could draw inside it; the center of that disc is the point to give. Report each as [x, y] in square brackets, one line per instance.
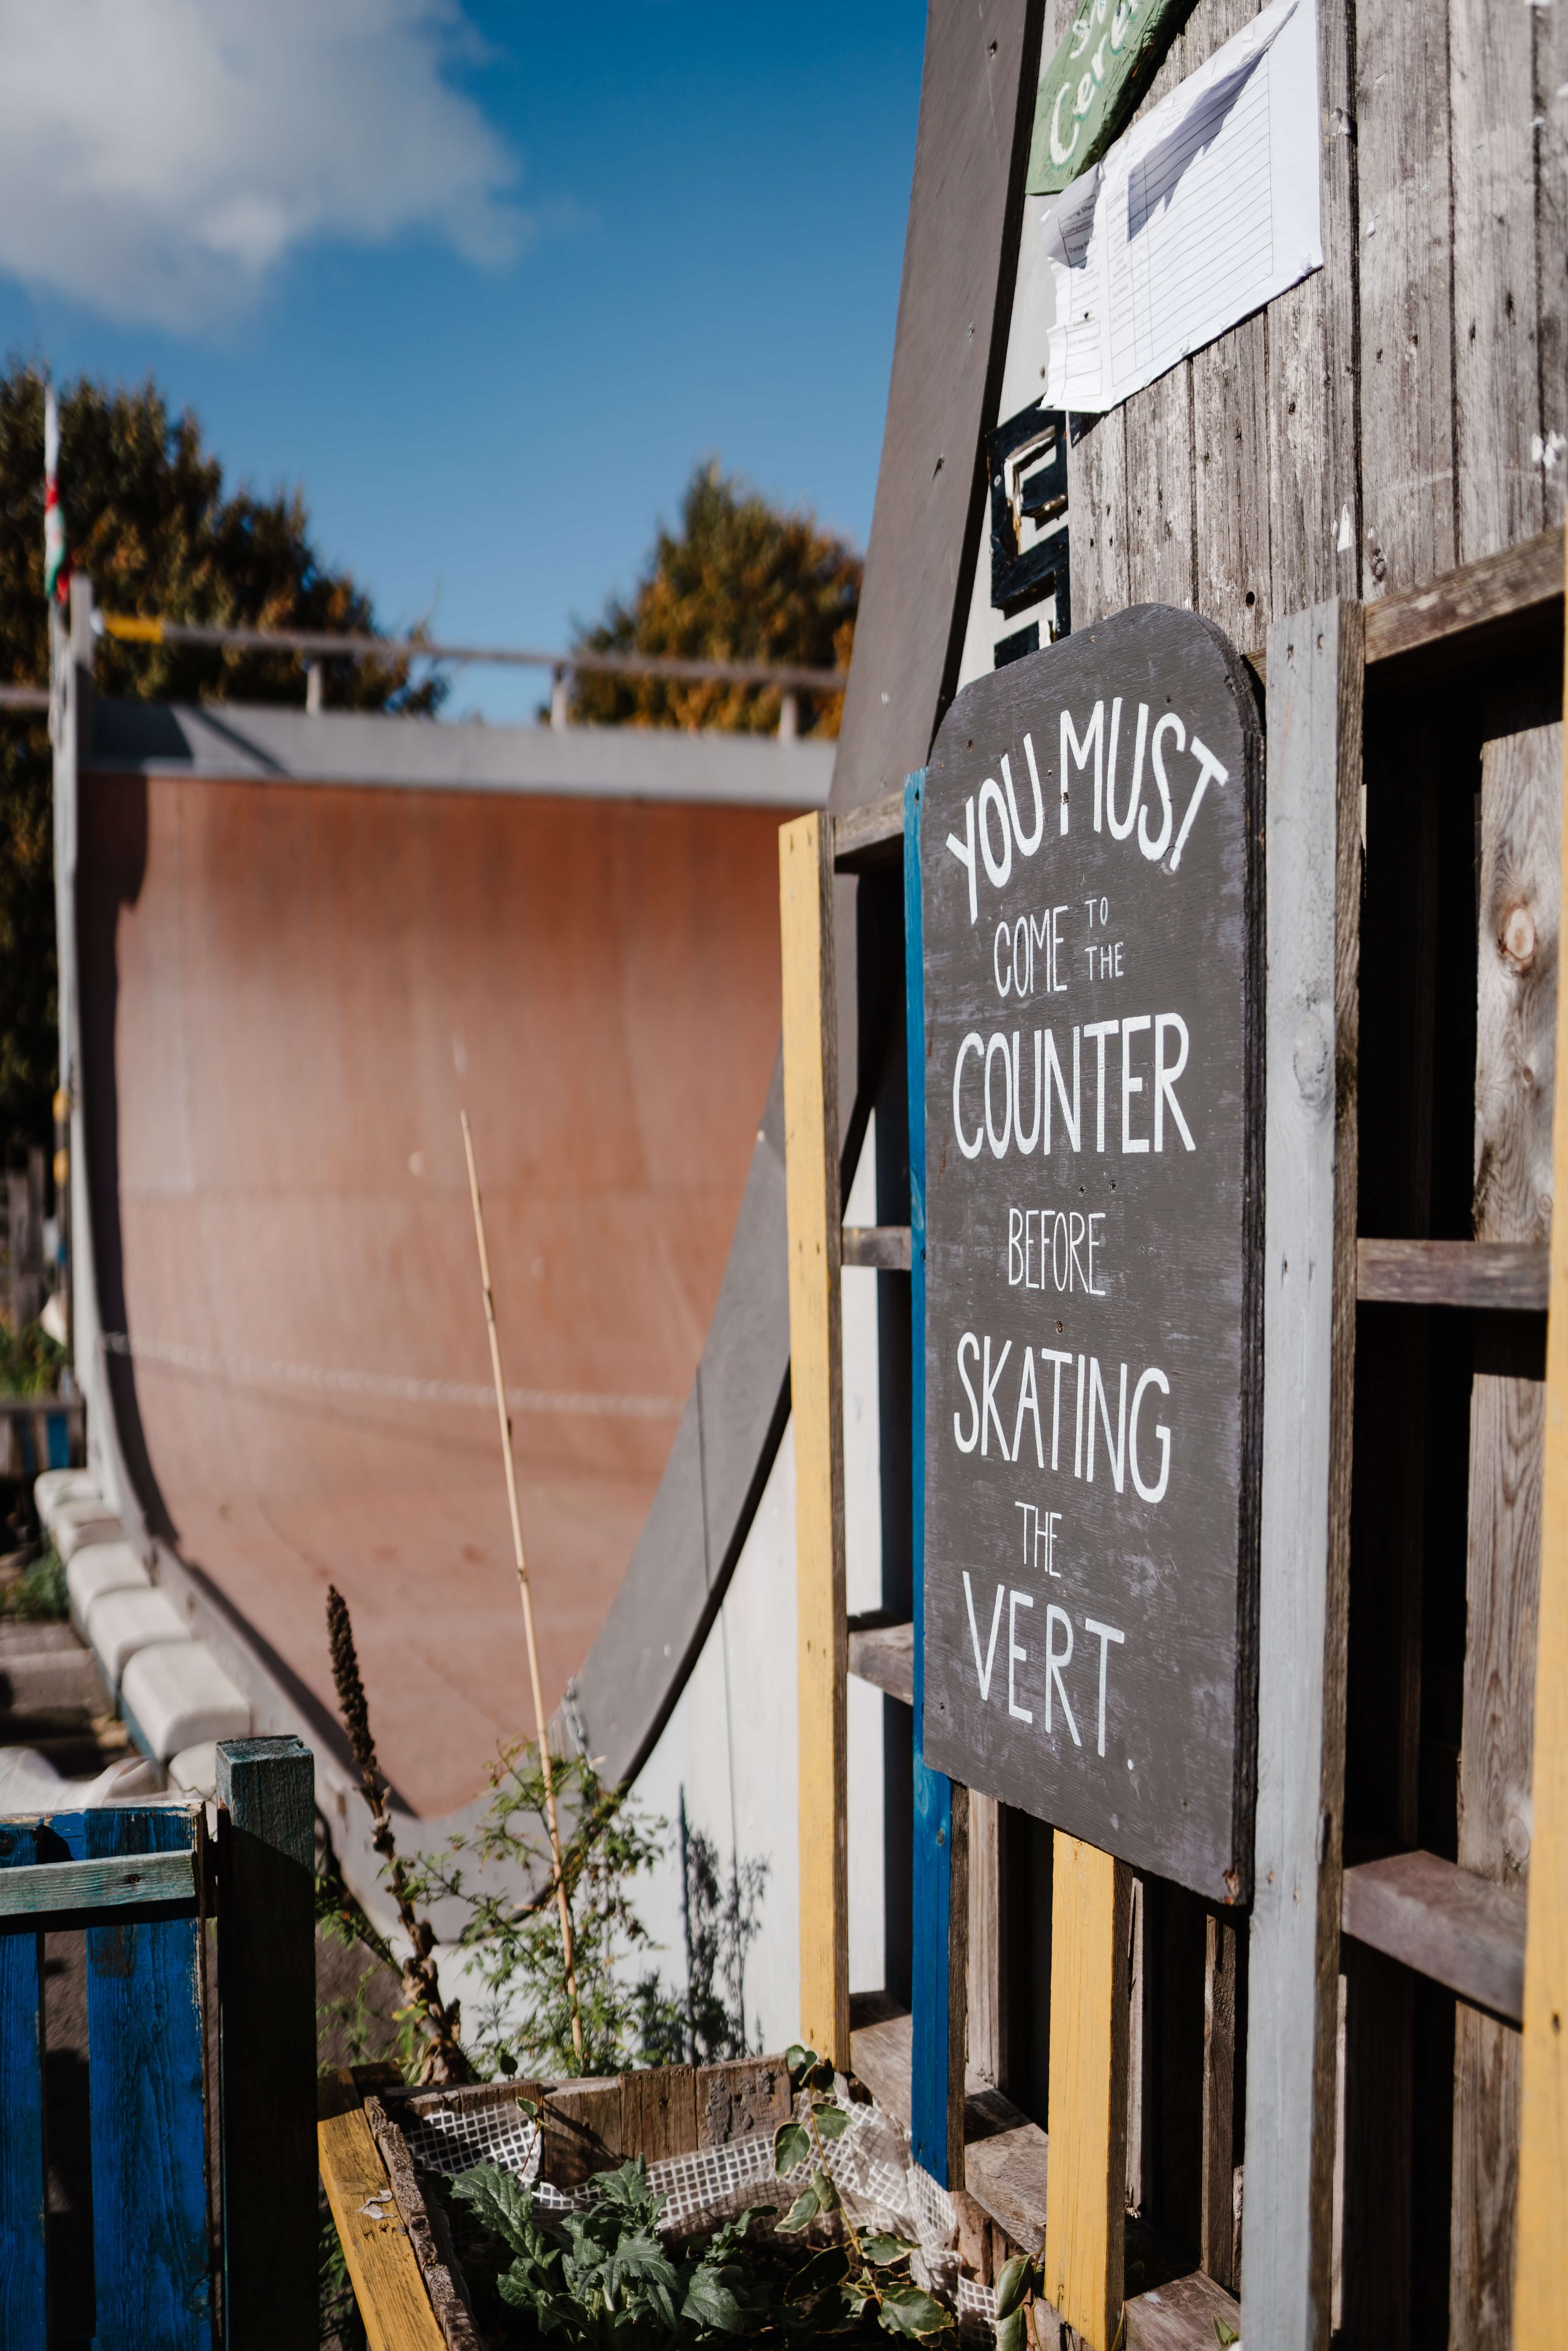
[159, 159]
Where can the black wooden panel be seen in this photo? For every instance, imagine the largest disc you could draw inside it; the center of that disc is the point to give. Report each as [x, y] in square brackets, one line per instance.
[1093, 1340]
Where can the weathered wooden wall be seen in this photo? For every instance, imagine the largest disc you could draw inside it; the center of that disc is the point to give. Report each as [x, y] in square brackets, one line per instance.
[1394, 414]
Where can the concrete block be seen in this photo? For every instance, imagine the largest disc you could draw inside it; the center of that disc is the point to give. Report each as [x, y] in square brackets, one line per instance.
[196, 1769]
[102, 1567]
[177, 1695]
[77, 1525]
[54, 1487]
[121, 1622]
[44, 1669]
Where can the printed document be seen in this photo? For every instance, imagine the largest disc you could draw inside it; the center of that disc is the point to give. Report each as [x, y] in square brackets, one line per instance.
[1198, 215]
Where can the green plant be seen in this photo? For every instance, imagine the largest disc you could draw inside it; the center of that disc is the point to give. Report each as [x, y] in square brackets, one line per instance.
[525, 2022]
[30, 1361]
[602, 2276]
[351, 2028]
[863, 2274]
[38, 1594]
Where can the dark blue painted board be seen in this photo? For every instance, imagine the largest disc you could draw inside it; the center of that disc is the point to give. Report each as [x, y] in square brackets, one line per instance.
[24, 2309]
[931, 1873]
[149, 2139]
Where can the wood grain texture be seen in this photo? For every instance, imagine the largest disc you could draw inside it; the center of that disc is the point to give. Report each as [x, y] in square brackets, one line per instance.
[1515, 1047]
[1542, 2208]
[23, 2296]
[266, 1996]
[1550, 113]
[976, 95]
[53, 1889]
[884, 1653]
[1181, 2316]
[816, 1376]
[739, 2099]
[427, 2231]
[382, 2264]
[148, 2128]
[1086, 2186]
[985, 2046]
[1313, 871]
[1496, 1276]
[1495, 590]
[883, 1247]
[1097, 502]
[1497, 378]
[1160, 558]
[1401, 141]
[1445, 1922]
[1230, 478]
[659, 2112]
[1217, 2225]
[868, 835]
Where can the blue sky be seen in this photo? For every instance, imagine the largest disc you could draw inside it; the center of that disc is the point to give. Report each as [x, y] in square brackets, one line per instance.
[486, 284]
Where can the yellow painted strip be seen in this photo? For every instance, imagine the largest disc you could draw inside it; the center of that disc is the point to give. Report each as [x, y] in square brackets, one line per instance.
[816, 1378]
[1540, 2280]
[1086, 2177]
[134, 631]
[387, 2285]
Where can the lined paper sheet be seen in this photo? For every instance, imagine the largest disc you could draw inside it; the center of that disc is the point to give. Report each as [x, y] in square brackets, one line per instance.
[1201, 213]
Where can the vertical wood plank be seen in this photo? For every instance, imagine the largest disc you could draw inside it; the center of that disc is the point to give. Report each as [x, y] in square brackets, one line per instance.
[147, 2088]
[1497, 378]
[1402, 135]
[1551, 113]
[1097, 509]
[1218, 2225]
[1542, 2222]
[1515, 1044]
[266, 2003]
[1314, 467]
[1159, 491]
[23, 2294]
[936, 2065]
[816, 1381]
[1315, 675]
[987, 1990]
[1230, 480]
[382, 2264]
[1086, 2178]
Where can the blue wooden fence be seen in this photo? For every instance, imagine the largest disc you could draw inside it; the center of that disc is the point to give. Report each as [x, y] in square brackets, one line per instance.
[144, 1881]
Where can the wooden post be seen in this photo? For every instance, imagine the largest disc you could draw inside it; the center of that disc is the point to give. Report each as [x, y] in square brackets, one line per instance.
[267, 2011]
[814, 1191]
[1086, 2178]
[1312, 855]
[1542, 2210]
[1217, 2221]
[1515, 1034]
[939, 1863]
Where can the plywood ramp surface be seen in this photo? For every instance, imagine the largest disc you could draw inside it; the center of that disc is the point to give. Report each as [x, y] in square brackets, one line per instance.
[288, 992]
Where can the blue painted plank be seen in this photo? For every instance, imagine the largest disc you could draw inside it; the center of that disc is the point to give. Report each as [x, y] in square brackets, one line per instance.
[51, 1888]
[149, 2135]
[933, 1859]
[23, 2298]
[59, 1441]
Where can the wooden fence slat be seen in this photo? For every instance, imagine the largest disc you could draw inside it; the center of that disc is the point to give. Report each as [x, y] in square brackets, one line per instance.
[381, 2265]
[1515, 1037]
[148, 2130]
[23, 2291]
[1542, 2207]
[816, 1379]
[266, 1977]
[936, 2076]
[1216, 2223]
[1312, 856]
[1086, 2177]
[127, 1880]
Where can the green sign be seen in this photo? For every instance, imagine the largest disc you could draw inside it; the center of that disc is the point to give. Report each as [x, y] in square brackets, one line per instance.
[1093, 83]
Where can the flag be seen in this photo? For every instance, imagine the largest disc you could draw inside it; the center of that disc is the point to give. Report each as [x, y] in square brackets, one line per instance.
[55, 571]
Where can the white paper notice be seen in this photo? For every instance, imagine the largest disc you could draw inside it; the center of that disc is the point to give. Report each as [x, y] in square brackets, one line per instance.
[1199, 214]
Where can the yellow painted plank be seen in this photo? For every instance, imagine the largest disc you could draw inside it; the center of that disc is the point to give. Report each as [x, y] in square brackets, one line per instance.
[1542, 2229]
[816, 1380]
[1086, 2178]
[387, 2285]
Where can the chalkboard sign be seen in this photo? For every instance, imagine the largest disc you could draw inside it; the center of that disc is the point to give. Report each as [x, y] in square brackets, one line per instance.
[1090, 860]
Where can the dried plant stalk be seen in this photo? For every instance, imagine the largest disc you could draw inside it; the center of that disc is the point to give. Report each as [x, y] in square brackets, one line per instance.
[443, 2058]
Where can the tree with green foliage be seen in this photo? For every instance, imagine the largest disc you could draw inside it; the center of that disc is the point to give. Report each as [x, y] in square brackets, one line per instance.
[148, 520]
[742, 582]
